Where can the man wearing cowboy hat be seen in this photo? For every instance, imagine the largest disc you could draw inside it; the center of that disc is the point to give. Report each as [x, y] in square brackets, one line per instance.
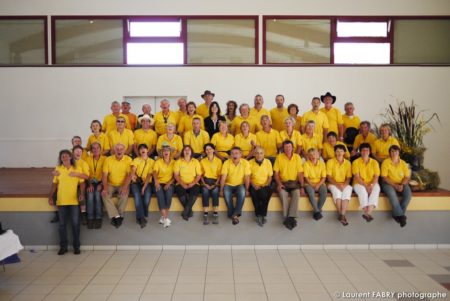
[320, 119]
[146, 109]
[145, 135]
[203, 109]
[335, 122]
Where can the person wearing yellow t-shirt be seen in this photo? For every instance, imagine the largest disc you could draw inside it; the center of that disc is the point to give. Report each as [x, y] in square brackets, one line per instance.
[77, 155]
[320, 119]
[328, 147]
[339, 174]
[235, 178]
[203, 109]
[246, 141]
[98, 136]
[260, 185]
[163, 179]
[293, 111]
[289, 133]
[116, 180]
[145, 135]
[196, 138]
[279, 113]
[94, 187]
[182, 110]
[187, 172]
[396, 174]
[121, 135]
[310, 139]
[230, 112]
[382, 144]
[365, 181]
[334, 115]
[76, 141]
[185, 123]
[351, 125]
[211, 168]
[173, 140]
[244, 109]
[109, 122]
[269, 139]
[314, 173]
[257, 111]
[141, 178]
[364, 136]
[164, 117]
[66, 184]
[132, 118]
[223, 141]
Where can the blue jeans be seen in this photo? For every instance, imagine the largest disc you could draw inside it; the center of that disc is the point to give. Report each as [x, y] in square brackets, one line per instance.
[74, 217]
[164, 197]
[240, 197]
[317, 207]
[398, 208]
[213, 193]
[141, 201]
[94, 204]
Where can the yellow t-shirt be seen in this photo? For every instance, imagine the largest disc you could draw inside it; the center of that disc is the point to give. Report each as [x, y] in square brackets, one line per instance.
[395, 172]
[328, 151]
[260, 173]
[381, 147]
[126, 138]
[351, 122]
[320, 119]
[257, 116]
[196, 142]
[161, 121]
[339, 172]
[132, 119]
[164, 171]
[244, 143]
[188, 171]
[295, 137]
[366, 171]
[359, 139]
[95, 167]
[179, 114]
[102, 139]
[143, 167]
[288, 169]
[269, 141]
[109, 122]
[236, 173]
[211, 169]
[148, 137]
[334, 119]
[314, 172]
[236, 124]
[67, 193]
[298, 123]
[176, 143]
[312, 142]
[203, 110]
[117, 170]
[222, 144]
[84, 166]
[278, 117]
[185, 123]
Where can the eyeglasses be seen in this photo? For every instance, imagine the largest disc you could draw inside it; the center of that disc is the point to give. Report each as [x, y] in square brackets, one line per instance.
[120, 121]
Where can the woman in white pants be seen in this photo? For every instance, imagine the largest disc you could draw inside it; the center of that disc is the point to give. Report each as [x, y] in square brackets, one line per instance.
[339, 174]
[365, 182]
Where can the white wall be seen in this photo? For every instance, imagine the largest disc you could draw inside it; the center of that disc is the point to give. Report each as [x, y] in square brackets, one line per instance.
[43, 107]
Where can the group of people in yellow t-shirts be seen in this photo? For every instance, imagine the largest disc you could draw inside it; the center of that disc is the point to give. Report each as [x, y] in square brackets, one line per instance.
[197, 150]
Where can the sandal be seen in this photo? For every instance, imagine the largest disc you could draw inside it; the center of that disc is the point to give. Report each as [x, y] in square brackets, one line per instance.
[235, 220]
[343, 220]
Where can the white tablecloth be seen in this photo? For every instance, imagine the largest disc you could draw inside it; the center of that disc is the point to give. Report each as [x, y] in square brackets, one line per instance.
[9, 244]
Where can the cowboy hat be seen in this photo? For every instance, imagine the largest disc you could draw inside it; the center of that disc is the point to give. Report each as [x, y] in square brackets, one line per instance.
[328, 94]
[207, 92]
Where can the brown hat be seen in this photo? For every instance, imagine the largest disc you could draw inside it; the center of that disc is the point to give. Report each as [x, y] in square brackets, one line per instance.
[328, 94]
[207, 92]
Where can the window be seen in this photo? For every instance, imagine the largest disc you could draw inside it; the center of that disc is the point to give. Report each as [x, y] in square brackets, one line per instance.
[88, 41]
[155, 42]
[23, 40]
[221, 41]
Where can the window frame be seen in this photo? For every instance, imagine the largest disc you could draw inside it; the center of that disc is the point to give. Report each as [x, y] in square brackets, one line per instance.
[46, 48]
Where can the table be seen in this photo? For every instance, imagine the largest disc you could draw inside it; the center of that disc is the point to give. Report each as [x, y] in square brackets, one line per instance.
[9, 245]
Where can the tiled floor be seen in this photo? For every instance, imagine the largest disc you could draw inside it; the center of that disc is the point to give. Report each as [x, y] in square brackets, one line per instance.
[225, 275]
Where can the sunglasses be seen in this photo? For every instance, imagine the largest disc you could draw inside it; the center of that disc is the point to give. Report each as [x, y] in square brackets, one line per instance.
[120, 121]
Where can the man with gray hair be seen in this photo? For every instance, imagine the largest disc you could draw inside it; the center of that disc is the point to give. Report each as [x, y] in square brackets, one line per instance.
[164, 117]
[109, 122]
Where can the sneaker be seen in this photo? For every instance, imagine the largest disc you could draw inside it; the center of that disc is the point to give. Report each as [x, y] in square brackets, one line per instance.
[167, 223]
[191, 213]
[264, 220]
[119, 221]
[84, 219]
[161, 220]
[76, 251]
[55, 218]
[90, 224]
[62, 251]
[114, 222]
[205, 219]
[215, 220]
[184, 216]
[143, 222]
[259, 220]
[402, 221]
[317, 215]
[288, 223]
[98, 223]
